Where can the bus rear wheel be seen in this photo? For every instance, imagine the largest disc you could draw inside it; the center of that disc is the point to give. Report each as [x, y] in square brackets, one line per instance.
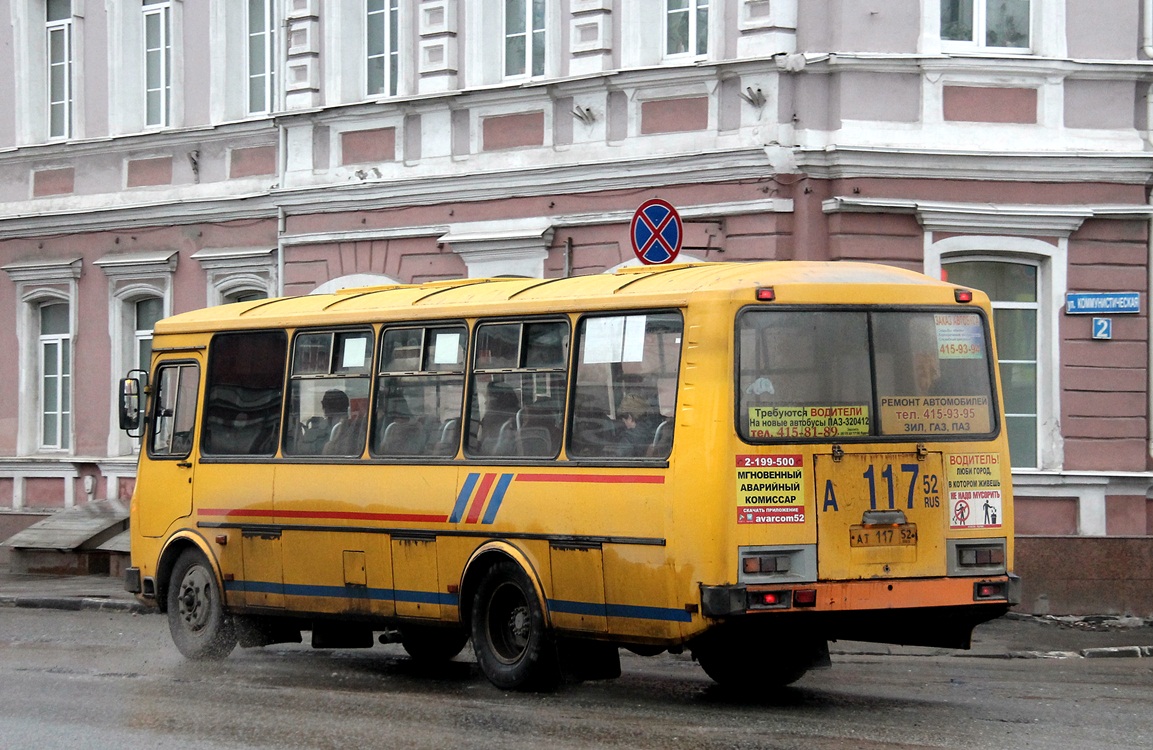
[512, 643]
[200, 627]
[432, 644]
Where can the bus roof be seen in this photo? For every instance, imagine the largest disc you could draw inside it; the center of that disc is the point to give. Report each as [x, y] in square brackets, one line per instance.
[636, 287]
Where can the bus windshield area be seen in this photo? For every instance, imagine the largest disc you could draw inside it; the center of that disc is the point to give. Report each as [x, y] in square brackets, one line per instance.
[824, 374]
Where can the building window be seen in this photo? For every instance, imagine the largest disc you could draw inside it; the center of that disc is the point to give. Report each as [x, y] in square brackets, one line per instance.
[686, 27]
[147, 312]
[58, 19]
[383, 46]
[157, 61]
[55, 355]
[524, 37]
[1002, 24]
[261, 56]
[1013, 289]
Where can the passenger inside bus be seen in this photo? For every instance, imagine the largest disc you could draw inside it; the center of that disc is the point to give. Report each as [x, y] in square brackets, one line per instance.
[636, 426]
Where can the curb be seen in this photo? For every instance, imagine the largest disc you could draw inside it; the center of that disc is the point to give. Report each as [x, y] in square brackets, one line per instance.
[75, 604]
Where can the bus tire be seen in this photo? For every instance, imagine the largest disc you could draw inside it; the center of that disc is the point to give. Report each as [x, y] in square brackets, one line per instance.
[427, 644]
[512, 642]
[200, 627]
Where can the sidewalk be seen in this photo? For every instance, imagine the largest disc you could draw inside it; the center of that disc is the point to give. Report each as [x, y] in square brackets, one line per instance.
[1012, 636]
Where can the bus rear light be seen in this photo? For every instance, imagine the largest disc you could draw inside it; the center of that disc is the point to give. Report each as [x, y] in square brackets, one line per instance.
[963, 295]
[766, 294]
[766, 564]
[985, 590]
[770, 599]
[805, 598]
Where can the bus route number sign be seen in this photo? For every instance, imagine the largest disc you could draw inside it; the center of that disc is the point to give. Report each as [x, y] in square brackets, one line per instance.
[656, 232]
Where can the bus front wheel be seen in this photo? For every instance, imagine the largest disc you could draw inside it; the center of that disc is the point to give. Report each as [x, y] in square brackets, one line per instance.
[509, 635]
[200, 627]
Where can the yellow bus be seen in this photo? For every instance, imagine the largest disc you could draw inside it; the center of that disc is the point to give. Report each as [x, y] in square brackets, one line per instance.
[746, 460]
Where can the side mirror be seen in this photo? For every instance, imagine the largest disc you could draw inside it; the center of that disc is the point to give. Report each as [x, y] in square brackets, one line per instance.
[132, 390]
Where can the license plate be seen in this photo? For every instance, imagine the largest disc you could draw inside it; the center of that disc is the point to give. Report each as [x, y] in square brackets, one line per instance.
[902, 535]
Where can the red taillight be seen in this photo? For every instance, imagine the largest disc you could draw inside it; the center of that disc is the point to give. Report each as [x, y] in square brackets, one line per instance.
[989, 590]
[766, 294]
[805, 598]
[963, 295]
[770, 598]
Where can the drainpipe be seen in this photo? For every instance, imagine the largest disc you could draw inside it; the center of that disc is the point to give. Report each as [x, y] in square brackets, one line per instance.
[281, 221]
[1147, 48]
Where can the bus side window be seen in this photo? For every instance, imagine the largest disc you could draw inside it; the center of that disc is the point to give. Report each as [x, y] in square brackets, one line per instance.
[177, 387]
[517, 402]
[244, 393]
[626, 383]
[328, 393]
[420, 392]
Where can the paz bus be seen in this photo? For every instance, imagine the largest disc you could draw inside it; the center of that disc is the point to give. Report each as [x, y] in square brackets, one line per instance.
[745, 460]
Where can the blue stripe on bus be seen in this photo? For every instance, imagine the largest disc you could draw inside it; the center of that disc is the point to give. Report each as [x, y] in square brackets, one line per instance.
[630, 611]
[462, 498]
[497, 497]
[342, 592]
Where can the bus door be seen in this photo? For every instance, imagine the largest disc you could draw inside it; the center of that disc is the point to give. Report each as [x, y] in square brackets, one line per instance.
[243, 395]
[169, 446]
[880, 515]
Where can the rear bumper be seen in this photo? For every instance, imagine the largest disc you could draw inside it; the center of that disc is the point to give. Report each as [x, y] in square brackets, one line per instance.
[938, 612]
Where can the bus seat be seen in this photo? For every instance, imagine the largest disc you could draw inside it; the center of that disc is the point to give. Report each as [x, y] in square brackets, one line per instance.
[534, 441]
[505, 443]
[403, 437]
[448, 438]
[662, 439]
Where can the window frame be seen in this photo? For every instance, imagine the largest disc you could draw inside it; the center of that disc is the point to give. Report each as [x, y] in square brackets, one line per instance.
[534, 63]
[149, 438]
[431, 374]
[1052, 283]
[693, 11]
[474, 420]
[1038, 345]
[876, 433]
[266, 36]
[66, 29]
[289, 447]
[980, 32]
[163, 57]
[64, 362]
[389, 54]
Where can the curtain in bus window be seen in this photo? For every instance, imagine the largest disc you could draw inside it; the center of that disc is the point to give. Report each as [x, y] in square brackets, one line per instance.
[803, 375]
[328, 393]
[932, 373]
[420, 392]
[244, 393]
[624, 402]
[517, 401]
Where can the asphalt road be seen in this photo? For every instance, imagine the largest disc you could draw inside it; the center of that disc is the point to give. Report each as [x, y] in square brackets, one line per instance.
[92, 679]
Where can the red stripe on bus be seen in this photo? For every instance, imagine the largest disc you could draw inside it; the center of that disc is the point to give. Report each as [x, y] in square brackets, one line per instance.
[480, 497]
[332, 515]
[593, 478]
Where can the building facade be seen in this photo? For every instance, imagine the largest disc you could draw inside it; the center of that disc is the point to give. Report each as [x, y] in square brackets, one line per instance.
[164, 155]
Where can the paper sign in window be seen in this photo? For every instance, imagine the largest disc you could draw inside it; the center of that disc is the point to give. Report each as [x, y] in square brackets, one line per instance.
[354, 351]
[618, 339]
[447, 349]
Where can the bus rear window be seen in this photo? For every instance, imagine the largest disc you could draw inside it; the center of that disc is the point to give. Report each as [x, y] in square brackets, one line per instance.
[817, 375]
